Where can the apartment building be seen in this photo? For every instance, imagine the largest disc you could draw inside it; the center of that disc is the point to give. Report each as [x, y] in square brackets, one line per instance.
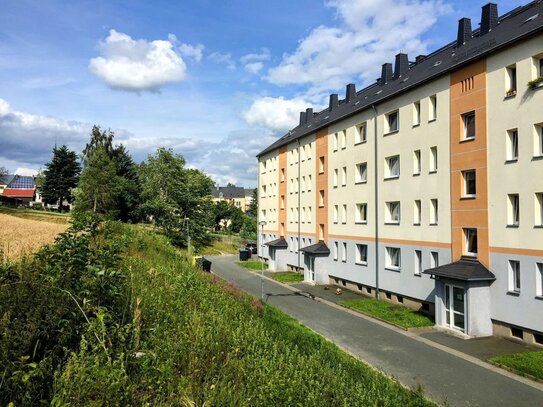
[426, 187]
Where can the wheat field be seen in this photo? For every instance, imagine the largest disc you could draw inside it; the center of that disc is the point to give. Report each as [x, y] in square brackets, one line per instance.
[19, 237]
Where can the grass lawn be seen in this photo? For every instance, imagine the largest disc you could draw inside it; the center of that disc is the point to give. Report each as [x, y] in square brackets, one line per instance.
[220, 247]
[287, 277]
[530, 363]
[252, 264]
[394, 313]
[32, 214]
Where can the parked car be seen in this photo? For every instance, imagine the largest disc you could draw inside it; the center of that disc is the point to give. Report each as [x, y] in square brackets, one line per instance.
[252, 246]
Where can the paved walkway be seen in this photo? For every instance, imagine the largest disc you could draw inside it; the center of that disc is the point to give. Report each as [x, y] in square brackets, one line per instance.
[446, 375]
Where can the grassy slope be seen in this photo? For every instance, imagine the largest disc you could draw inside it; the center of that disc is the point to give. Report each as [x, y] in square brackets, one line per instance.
[530, 363]
[207, 342]
[394, 313]
[287, 277]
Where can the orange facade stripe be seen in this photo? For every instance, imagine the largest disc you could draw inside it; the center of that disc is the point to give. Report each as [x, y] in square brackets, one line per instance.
[520, 252]
[282, 202]
[469, 155]
[321, 148]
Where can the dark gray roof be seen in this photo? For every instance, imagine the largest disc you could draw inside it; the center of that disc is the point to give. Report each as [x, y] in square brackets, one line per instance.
[513, 26]
[317, 248]
[466, 269]
[228, 192]
[6, 179]
[280, 243]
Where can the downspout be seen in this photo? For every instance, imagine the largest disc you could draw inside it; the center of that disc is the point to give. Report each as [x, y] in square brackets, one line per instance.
[299, 198]
[376, 201]
[258, 200]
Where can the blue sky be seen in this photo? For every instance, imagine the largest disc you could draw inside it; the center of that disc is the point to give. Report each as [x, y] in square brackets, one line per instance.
[216, 81]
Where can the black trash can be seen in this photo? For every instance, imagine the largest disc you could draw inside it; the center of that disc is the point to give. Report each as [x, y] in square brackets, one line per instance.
[243, 254]
[206, 265]
[200, 262]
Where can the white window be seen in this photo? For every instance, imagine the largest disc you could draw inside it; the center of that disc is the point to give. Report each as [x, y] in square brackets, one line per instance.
[468, 119]
[344, 254]
[321, 165]
[433, 159]
[263, 191]
[321, 231]
[336, 176]
[303, 183]
[309, 151]
[344, 176]
[336, 210]
[291, 245]
[263, 167]
[392, 122]
[539, 279]
[416, 162]
[392, 168]
[393, 212]
[282, 175]
[514, 276]
[512, 145]
[335, 141]
[336, 250]
[416, 113]
[418, 262]
[538, 206]
[511, 80]
[321, 197]
[344, 214]
[470, 242]
[538, 140]
[297, 211]
[417, 212]
[361, 173]
[263, 215]
[361, 133]
[343, 134]
[296, 185]
[470, 184]
[434, 212]
[434, 259]
[303, 153]
[433, 108]
[393, 258]
[303, 215]
[513, 214]
[362, 254]
[361, 215]
[291, 215]
[308, 183]
[309, 214]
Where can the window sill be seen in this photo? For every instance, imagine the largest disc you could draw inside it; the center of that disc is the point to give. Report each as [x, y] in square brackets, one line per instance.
[511, 161]
[513, 226]
[537, 157]
[335, 186]
[364, 263]
[361, 223]
[344, 148]
[432, 172]
[432, 120]
[416, 224]
[513, 293]
[360, 142]
[538, 226]
[416, 174]
[391, 268]
[510, 95]
[472, 255]
[416, 125]
[391, 132]
[392, 223]
[433, 224]
[539, 297]
[321, 206]
[466, 140]
[360, 182]
[468, 197]
[392, 177]
[417, 275]
[344, 261]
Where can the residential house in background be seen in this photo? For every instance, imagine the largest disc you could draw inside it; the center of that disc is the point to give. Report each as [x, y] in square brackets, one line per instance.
[236, 196]
[426, 187]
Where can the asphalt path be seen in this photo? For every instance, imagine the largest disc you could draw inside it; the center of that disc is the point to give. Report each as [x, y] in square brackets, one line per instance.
[446, 377]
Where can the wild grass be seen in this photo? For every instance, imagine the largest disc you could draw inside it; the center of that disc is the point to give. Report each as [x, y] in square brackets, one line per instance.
[19, 236]
[24, 213]
[218, 247]
[394, 313]
[528, 363]
[252, 264]
[287, 277]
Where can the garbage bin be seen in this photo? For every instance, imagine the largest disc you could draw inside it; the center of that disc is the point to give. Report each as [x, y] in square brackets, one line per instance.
[206, 265]
[243, 254]
[195, 260]
[199, 262]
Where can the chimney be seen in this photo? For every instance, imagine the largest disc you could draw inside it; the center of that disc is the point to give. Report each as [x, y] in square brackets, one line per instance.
[350, 92]
[308, 114]
[420, 58]
[401, 65]
[464, 31]
[302, 118]
[386, 73]
[333, 102]
[489, 18]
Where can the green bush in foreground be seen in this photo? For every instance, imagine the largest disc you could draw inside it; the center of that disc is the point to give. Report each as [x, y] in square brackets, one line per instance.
[530, 363]
[393, 313]
[152, 330]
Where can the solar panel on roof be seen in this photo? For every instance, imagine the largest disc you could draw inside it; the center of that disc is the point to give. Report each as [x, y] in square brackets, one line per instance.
[20, 182]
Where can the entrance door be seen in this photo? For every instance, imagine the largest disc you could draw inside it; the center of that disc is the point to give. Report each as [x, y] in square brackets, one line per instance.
[455, 307]
[310, 267]
[272, 258]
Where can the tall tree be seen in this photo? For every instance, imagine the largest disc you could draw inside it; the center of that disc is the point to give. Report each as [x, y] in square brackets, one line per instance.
[99, 138]
[176, 198]
[253, 207]
[60, 177]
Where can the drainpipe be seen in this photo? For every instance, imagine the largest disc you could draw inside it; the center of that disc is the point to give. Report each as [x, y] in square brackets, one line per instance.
[299, 197]
[376, 201]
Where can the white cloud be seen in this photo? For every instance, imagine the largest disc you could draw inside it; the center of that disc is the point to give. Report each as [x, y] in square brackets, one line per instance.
[137, 65]
[277, 114]
[26, 172]
[223, 59]
[4, 107]
[264, 55]
[363, 40]
[192, 51]
[254, 67]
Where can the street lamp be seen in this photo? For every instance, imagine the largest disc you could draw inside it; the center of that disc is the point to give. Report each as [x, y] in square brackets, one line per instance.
[262, 223]
[188, 234]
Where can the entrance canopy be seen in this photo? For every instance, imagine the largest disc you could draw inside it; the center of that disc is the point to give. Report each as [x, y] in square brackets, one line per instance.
[317, 248]
[280, 243]
[465, 269]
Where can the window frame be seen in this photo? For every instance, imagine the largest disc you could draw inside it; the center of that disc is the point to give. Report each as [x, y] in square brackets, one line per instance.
[361, 135]
[416, 113]
[393, 253]
[417, 162]
[466, 125]
[432, 113]
[389, 167]
[513, 210]
[361, 254]
[514, 276]
[359, 179]
[388, 116]
[361, 209]
[467, 183]
[512, 145]
[393, 210]
[418, 262]
[434, 214]
[344, 252]
[467, 235]
[417, 212]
